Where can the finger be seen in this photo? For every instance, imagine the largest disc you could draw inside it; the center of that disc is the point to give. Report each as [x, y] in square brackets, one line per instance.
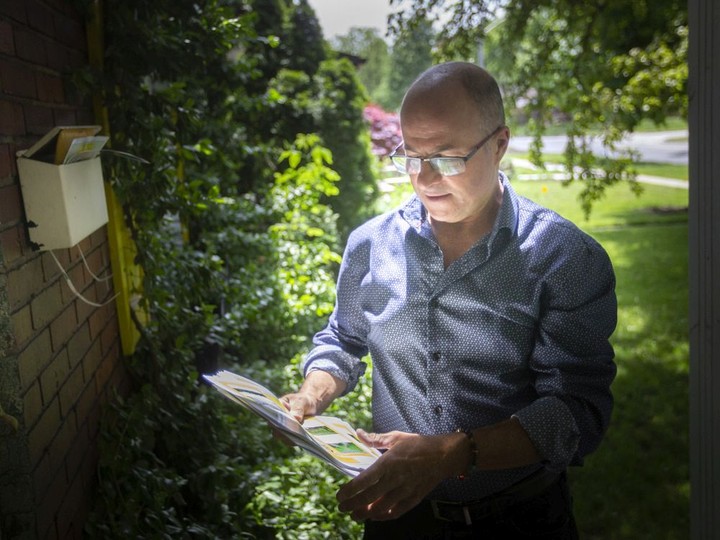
[295, 406]
[297, 411]
[390, 506]
[373, 440]
[362, 490]
[383, 510]
[359, 504]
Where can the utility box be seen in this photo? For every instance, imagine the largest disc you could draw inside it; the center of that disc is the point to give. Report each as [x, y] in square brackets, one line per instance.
[64, 203]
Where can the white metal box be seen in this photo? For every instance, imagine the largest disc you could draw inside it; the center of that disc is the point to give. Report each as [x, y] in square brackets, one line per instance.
[63, 203]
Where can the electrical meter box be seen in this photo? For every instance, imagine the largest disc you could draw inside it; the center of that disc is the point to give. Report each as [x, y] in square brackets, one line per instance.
[64, 202]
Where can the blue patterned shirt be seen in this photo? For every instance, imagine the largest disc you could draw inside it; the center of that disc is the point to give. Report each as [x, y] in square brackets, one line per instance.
[518, 326]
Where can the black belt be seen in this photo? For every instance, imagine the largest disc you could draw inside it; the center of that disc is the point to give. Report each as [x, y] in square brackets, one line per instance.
[469, 512]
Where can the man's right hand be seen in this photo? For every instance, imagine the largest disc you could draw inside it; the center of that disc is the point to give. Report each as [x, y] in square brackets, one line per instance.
[316, 393]
[300, 405]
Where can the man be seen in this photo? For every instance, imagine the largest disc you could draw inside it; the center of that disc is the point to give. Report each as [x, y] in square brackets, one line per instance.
[487, 319]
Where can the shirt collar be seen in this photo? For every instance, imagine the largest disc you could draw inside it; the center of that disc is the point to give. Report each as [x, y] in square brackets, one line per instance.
[415, 214]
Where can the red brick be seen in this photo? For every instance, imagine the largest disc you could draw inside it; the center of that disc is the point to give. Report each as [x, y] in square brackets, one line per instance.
[109, 337]
[57, 57]
[14, 10]
[70, 296]
[76, 457]
[10, 244]
[84, 310]
[76, 271]
[50, 88]
[10, 205]
[64, 117]
[46, 306]
[76, 59]
[43, 432]
[49, 503]
[70, 32]
[97, 322]
[50, 268]
[38, 120]
[39, 17]
[95, 260]
[16, 497]
[85, 405]
[7, 44]
[42, 473]
[11, 152]
[72, 505]
[31, 47]
[6, 161]
[85, 247]
[23, 281]
[32, 404]
[85, 116]
[22, 326]
[62, 442]
[63, 327]
[12, 120]
[54, 375]
[34, 358]
[71, 391]
[103, 368]
[78, 345]
[17, 79]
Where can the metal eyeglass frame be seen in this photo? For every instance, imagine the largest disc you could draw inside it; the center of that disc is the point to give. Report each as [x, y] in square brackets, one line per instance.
[438, 163]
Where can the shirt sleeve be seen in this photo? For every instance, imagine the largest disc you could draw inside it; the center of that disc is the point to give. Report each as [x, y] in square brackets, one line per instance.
[572, 359]
[339, 347]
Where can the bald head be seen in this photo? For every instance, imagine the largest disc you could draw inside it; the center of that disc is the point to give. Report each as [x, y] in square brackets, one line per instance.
[439, 82]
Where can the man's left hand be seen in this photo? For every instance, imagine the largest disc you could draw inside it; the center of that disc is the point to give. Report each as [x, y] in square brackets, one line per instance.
[410, 468]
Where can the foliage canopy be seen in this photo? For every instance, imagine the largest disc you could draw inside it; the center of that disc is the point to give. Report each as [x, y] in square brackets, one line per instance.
[602, 67]
[235, 236]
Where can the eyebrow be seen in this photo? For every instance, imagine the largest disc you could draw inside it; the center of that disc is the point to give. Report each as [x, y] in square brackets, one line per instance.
[437, 151]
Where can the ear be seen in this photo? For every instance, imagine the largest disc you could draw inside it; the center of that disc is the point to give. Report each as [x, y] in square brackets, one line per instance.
[501, 143]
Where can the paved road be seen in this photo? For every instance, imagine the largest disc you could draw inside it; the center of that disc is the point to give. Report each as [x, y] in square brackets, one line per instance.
[656, 147]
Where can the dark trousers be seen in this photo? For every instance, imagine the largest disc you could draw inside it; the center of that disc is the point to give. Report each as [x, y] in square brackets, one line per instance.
[547, 516]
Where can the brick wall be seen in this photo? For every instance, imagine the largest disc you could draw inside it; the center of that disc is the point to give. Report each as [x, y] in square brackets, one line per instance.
[63, 356]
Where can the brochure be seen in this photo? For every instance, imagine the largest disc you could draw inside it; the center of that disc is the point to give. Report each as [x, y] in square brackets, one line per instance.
[82, 148]
[326, 437]
[54, 145]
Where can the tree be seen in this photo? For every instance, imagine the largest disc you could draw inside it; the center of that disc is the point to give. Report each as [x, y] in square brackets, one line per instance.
[411, 55]
[368, 45]
[304, 45]
[605, 66]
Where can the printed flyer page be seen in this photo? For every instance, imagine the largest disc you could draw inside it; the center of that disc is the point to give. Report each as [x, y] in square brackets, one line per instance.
[326, 437]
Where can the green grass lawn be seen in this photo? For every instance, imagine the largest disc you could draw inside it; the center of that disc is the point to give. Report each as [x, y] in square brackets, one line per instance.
[671, 124]
[667, 170]
[636, 485]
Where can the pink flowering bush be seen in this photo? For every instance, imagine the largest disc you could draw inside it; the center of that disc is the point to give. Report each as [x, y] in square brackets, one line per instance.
[384, 129]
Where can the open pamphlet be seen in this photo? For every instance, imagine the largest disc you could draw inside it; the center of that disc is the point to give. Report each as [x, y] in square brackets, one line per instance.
[326, 437]
[67, 144]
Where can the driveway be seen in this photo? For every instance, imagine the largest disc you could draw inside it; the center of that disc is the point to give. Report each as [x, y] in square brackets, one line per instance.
[654, 147]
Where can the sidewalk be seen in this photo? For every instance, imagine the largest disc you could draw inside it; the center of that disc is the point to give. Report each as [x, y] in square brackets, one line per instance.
[556, 172]
[552, 172]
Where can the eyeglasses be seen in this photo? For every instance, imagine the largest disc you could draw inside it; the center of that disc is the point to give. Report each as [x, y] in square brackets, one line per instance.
[447, 166]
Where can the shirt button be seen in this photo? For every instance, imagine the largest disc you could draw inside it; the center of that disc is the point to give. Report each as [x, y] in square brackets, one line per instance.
[438, 410]
[436, 356]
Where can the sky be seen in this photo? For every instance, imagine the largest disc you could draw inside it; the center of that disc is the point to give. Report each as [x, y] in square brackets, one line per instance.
[338, 16]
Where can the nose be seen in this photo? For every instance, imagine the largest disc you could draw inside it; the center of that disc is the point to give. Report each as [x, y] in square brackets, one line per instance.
[427, 175]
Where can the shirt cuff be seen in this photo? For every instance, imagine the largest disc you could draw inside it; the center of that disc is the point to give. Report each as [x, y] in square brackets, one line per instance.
[341, 365]
[552, 430]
